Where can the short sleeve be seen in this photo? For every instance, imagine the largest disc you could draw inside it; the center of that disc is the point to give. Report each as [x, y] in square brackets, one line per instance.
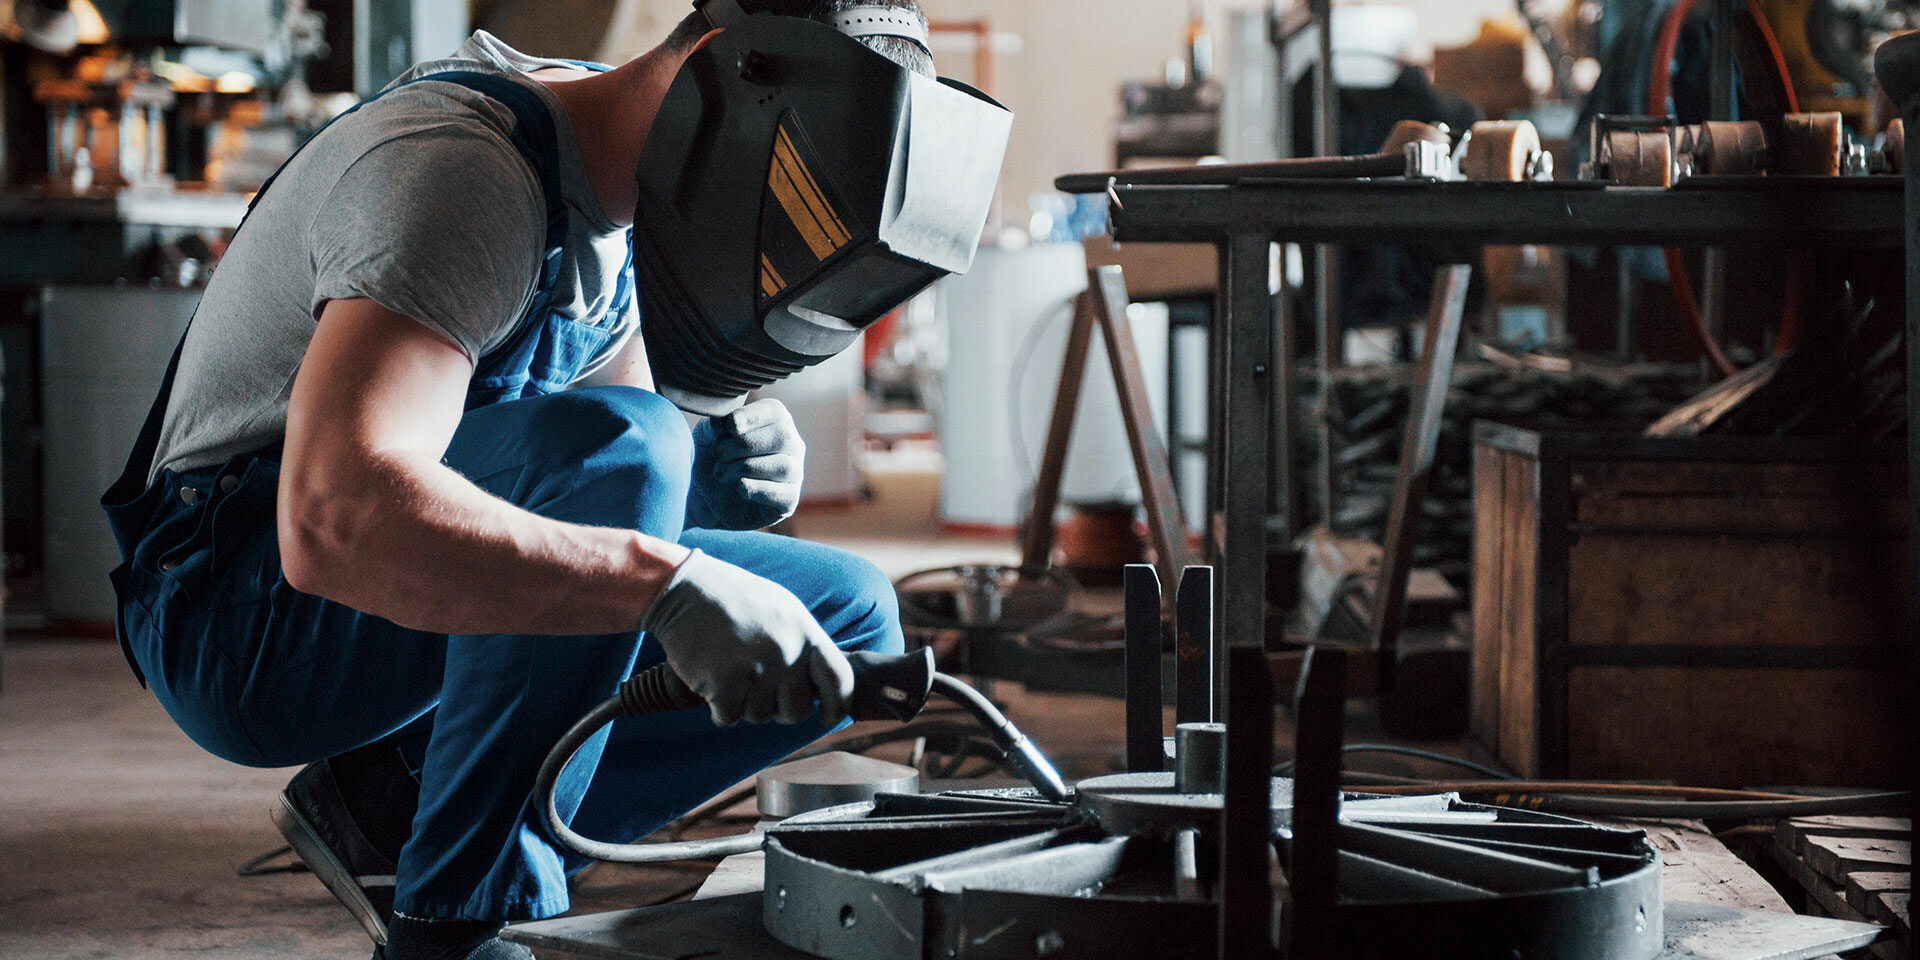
[444, 225]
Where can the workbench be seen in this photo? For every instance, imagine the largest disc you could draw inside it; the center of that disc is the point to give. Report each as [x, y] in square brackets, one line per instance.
[1250, 482]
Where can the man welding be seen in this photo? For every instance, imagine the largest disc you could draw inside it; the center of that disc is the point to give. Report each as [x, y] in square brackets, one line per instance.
[417, 491]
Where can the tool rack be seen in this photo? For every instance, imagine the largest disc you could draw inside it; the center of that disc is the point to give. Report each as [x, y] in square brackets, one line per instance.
[1249, 475]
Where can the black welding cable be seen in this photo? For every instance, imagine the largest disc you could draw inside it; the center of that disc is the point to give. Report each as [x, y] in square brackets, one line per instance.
[557, 760]
[1607, 799]
[1285, 766]
[1021, 753]
[1709, 809]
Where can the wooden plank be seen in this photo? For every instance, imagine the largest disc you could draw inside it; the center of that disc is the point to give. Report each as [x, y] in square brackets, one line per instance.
[1863, 886]
[1835, 857]
[1730, 727]
[1488, 540]
[1107, 293]
[1695, 589]
[1036, 544]
[1621, 479]
[1697, 867]
[1891, 908]
[1792, 833]
[1427, 401]
[1823, 896]
[1519, 732]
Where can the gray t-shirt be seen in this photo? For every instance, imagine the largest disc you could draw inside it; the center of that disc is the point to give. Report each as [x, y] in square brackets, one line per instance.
[418, 201]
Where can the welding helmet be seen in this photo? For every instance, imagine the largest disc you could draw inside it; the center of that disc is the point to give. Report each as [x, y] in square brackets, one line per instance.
[795, 187]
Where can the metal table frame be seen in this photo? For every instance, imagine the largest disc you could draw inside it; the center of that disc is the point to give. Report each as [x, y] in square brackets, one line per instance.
[1251, 353]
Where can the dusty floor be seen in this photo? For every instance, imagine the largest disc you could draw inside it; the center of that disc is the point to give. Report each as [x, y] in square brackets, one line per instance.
[120, 838]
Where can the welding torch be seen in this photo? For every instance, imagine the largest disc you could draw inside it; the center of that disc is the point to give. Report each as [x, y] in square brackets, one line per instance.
[885, 687]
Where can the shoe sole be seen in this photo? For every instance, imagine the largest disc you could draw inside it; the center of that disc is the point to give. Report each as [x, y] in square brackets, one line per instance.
[339, 880]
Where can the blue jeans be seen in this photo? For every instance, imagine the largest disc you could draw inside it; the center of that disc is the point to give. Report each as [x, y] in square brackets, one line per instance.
[261, 674]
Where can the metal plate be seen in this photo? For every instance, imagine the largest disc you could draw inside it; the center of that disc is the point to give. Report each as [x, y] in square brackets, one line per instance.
[1002, 875]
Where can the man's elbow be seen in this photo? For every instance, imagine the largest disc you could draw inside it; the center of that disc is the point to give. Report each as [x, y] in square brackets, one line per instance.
[317, 531]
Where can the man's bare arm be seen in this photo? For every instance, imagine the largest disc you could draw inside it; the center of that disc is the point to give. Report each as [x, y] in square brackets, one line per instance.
[370, 517]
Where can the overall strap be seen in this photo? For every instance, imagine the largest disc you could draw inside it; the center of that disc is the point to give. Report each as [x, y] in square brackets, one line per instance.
[533, 134]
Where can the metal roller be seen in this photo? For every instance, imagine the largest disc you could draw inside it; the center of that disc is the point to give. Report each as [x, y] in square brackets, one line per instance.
[1810, 144]
[1504, 150]
[1639, 158]
[1724, 147]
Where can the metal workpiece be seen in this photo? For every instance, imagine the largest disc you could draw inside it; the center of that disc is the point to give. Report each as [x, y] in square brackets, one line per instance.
[1154, 803]
[1142, 640]
[1200, 757]
[829, 780]
[1195, 647]
[1005, 874]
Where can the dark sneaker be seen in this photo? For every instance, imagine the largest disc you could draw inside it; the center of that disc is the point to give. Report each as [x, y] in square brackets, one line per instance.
[494, 949]
[419, 939]
[350, 833]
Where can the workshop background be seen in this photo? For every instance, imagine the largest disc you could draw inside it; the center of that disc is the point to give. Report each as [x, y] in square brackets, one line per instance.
[1594, 484]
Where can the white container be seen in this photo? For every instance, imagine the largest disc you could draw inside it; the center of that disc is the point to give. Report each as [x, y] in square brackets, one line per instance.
[103, 351]
[828, 403]
[1007, 321]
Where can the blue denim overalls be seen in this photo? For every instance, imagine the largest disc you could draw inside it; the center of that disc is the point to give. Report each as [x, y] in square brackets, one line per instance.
[261, 674]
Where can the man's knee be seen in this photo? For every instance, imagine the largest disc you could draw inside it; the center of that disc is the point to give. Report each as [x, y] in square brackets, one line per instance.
[608, 456]
[869, 597]
[624, 425]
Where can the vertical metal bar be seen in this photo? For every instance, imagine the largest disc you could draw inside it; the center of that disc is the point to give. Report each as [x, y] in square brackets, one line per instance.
[1720, 81]
[1194, 662]
[1249, 381]
[1326, 91]
[1325, 259]
[1326, 316]
[1417, 447]
[1713, 265]
[1036, 543]
[1910, 110]
[1218, 343]
[1713, 293]
[1246, 824]
[1313, 864]
[1142, 632]
[1281, 503]
[1626, 323]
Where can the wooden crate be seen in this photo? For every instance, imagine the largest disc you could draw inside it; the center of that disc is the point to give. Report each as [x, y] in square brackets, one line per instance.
[1712, 611]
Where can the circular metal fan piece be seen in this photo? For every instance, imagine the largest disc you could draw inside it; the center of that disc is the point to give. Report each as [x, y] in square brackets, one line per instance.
[1125, 869]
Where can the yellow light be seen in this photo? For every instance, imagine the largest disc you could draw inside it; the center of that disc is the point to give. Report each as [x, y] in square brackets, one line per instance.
[236, 81]
[181, 77]
[93, 27]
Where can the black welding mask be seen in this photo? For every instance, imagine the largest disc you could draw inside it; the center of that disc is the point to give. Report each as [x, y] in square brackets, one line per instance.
[795, 187]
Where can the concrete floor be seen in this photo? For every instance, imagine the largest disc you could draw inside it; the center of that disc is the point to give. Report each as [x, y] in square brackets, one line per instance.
[120, 838]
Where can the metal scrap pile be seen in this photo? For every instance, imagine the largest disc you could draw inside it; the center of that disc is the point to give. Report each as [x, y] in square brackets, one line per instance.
[1370, 415]
[1847, 382]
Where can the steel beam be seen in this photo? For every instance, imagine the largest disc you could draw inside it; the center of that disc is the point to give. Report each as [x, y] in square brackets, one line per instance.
[1729, 212]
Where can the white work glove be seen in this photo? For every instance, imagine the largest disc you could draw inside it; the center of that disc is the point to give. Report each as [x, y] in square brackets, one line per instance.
[746, 468]
[747, 645]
